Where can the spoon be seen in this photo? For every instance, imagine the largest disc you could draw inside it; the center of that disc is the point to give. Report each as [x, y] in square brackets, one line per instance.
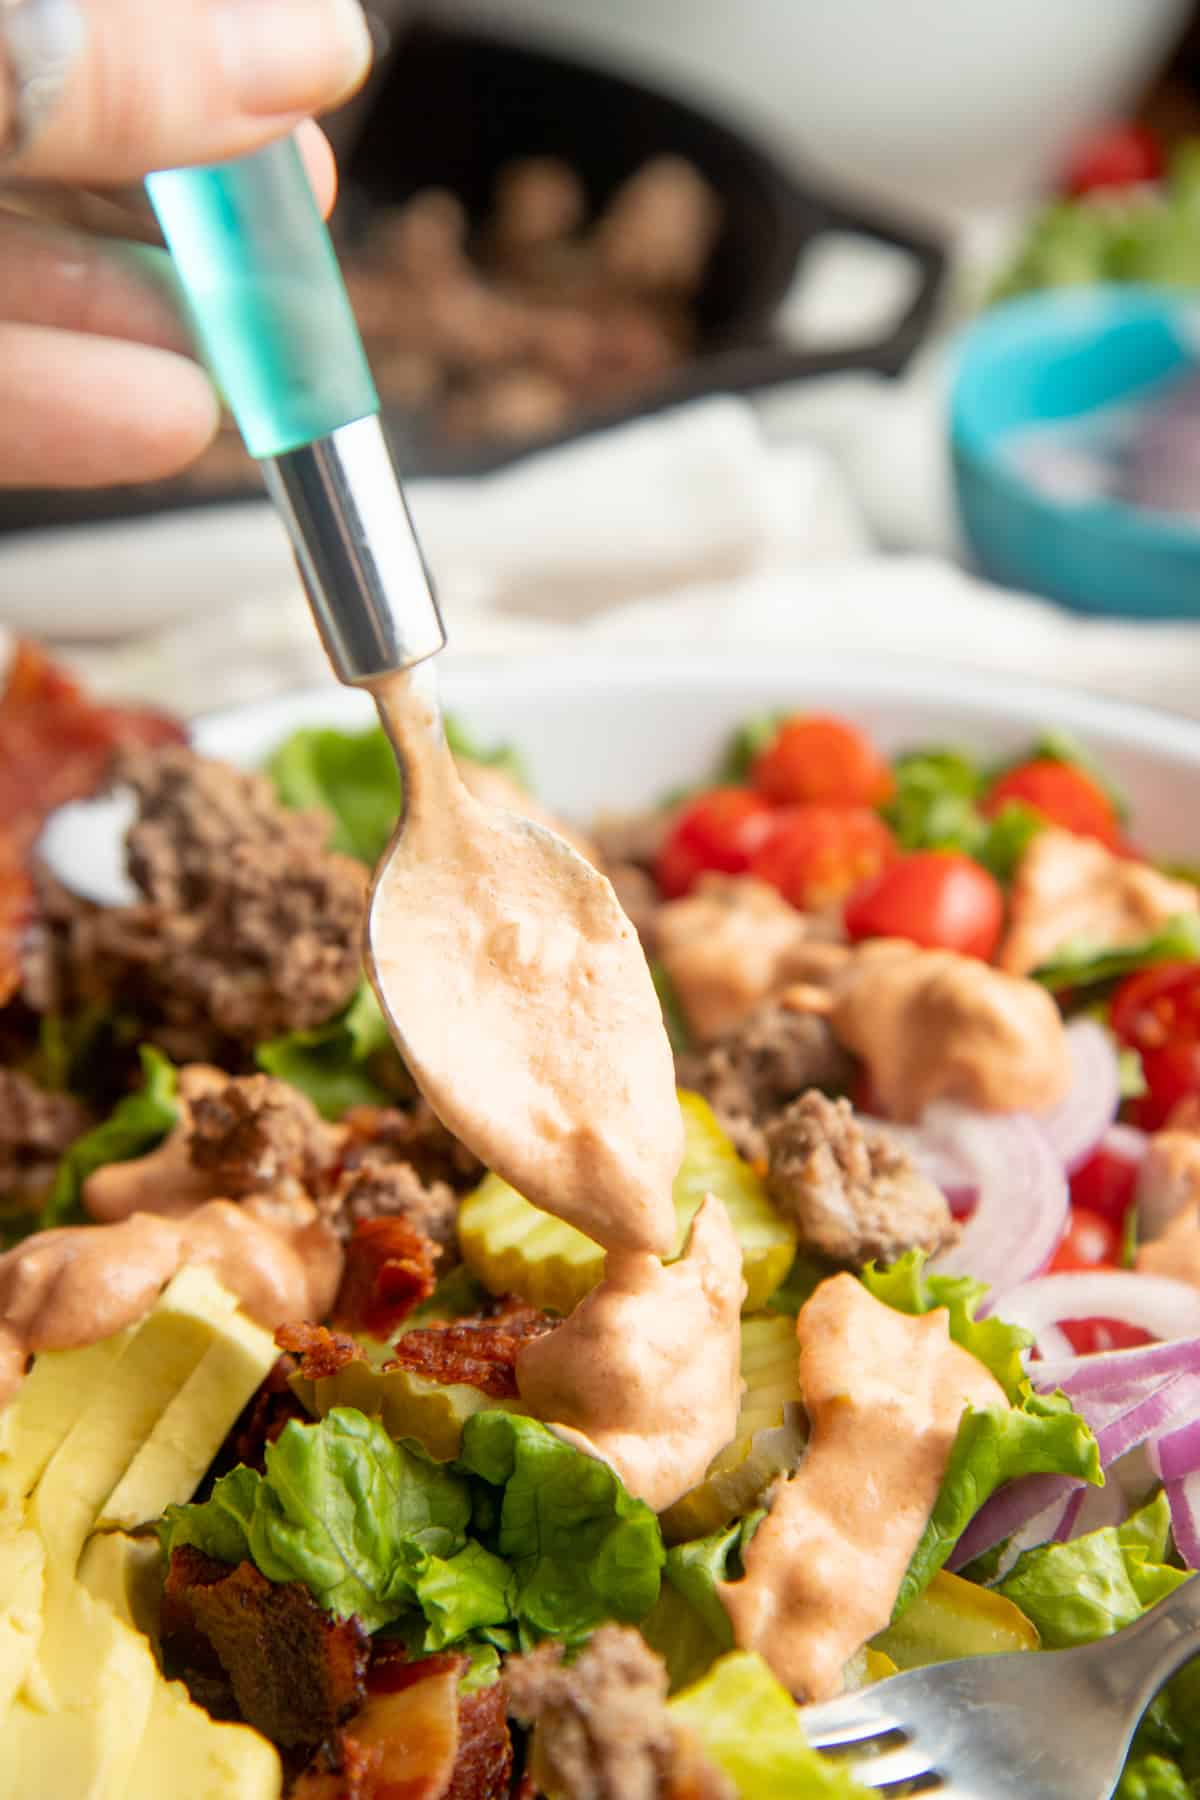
[511, 980]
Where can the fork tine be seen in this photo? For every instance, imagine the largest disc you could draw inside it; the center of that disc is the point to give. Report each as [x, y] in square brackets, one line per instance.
[846, 1723]
[905, 1763]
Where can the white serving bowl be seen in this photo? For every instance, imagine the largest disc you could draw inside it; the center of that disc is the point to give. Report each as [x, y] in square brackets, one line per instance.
[604, 731]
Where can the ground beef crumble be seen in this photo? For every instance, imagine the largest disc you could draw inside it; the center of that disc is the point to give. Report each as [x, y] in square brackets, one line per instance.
[258, 1134]
[754, 1071]
[35, 1128]
[601, 1727]
[249, 927]
[852, 1194]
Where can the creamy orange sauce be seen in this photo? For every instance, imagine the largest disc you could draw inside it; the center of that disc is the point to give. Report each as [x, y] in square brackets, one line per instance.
[1168, 1180]
[645, 1371]
[165, 1181]
[520, 997]
[885, 1394]
[62, 1289]
[934, 1025]
[1176, 1252]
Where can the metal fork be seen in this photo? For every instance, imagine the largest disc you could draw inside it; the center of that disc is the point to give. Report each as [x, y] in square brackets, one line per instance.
[1055, 1725]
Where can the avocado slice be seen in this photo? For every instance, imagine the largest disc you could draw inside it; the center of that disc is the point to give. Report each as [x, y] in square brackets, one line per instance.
[168, 1467]
[22, 1595]
[58, 1390]
[94, 1455]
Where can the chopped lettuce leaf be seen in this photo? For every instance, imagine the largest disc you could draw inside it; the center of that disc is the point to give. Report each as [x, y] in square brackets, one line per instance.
[483, 1668]
[1006, 838]
[678, 1031]
[800, 1283]
[1091, 1587]
[1039, 1435]
[934, 803]
[583, 1550]
[331, 1062]
[353, 776]
[748, 1725]
[355, 1517]
[906, 1287]
[675, 1630]
[1086, 965]
[1153, 1778]
[694, 1569]
[136, 1124]
[460, 1594]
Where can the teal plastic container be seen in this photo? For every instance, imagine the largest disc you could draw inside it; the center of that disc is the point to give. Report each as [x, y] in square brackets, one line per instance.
[266, 297]
[1053, 357]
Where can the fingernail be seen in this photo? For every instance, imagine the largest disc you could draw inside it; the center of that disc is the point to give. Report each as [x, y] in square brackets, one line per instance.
[288, 56]
[39, 40]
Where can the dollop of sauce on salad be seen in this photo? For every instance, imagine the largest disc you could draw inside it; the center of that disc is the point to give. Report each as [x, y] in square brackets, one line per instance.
[645, 1372]
[522, 1001]
[885, 1394]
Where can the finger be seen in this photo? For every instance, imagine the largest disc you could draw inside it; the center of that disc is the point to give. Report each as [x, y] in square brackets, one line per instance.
[80, 411]
[151, 84]
[317, 155]
[58, 278]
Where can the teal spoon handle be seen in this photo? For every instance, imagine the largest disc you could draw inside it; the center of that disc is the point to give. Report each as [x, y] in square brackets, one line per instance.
[266, 296]
[275, 325]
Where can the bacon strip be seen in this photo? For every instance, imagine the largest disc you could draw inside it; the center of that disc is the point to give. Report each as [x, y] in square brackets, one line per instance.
[322, 1352]
[481, 1353]
[389, 1270]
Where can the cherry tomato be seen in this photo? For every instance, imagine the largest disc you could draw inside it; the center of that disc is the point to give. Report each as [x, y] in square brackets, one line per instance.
[718, 830]
[1116, 156]
[822, 761]
[1157, 1011]
[1104, 1186]
[1086, 1336]
[939, 898]
[1064, 794]
[1089, 1242]
[815, 855]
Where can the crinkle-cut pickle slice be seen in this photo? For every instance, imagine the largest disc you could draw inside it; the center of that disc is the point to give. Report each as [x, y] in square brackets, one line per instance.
[770, 1435]
[408, 1405]
[514, 1248]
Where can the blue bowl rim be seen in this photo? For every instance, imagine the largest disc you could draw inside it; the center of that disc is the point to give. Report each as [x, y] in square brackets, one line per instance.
[1135, 528]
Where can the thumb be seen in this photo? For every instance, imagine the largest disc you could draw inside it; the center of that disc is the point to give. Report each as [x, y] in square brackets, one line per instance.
[107, 90]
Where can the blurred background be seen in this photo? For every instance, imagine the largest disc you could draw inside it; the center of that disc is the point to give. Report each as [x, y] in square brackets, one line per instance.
[843, 325]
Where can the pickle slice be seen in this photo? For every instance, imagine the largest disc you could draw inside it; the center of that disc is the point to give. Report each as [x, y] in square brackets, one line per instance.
[514, 1248]
[770, 1438]
[408, 1405]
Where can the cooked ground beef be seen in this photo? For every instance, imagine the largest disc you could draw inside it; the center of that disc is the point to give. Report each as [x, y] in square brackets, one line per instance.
[413, 1135]
[395, 1190]
[602, 1730]
[754, 1071]
[852, 1194]
[256, 1134]
[249, 926]
[35, 1128]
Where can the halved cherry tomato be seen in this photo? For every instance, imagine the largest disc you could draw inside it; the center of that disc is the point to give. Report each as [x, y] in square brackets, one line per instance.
[1115, 156]
[1062, 793]
[939, 898]
[1157, 1012]
[1089, 1242]
[822, 761]
[717, 831]
[1104, 1185]
[815, 855]
[1086, 1336]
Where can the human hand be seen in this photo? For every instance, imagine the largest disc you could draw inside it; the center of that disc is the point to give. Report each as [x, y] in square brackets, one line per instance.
[96, 381]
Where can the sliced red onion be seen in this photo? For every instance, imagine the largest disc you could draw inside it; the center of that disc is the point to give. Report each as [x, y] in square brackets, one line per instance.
[936, 1161]
[1022, 1203]
[1091, 1509]
[1183, 1497]
[1029, 1511]
[1154, 1303]
[1177, 1453]
[1076, 1125]
[1116, 1370]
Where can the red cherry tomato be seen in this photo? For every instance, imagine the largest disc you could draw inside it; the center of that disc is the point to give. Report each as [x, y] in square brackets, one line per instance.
[1086, 1336]
[1062, 793]
[815, 855]
[822, 761]
[938, 898]
[1089, 1242]
[717, 831]
[1117, 156]
[1157, 1012]
[1104, 1186]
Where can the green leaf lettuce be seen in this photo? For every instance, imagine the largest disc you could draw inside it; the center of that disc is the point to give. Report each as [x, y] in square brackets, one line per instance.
[136, 1124]
[749, 1726]
[332, 1063]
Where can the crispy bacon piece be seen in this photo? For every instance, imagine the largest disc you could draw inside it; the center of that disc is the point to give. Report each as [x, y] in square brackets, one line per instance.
[55, 743]
[16, 916]
[389, 1270]
[484, 1765]
[322, 1352]
[479, 1352]
[296, 1673]
[342, 1769]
